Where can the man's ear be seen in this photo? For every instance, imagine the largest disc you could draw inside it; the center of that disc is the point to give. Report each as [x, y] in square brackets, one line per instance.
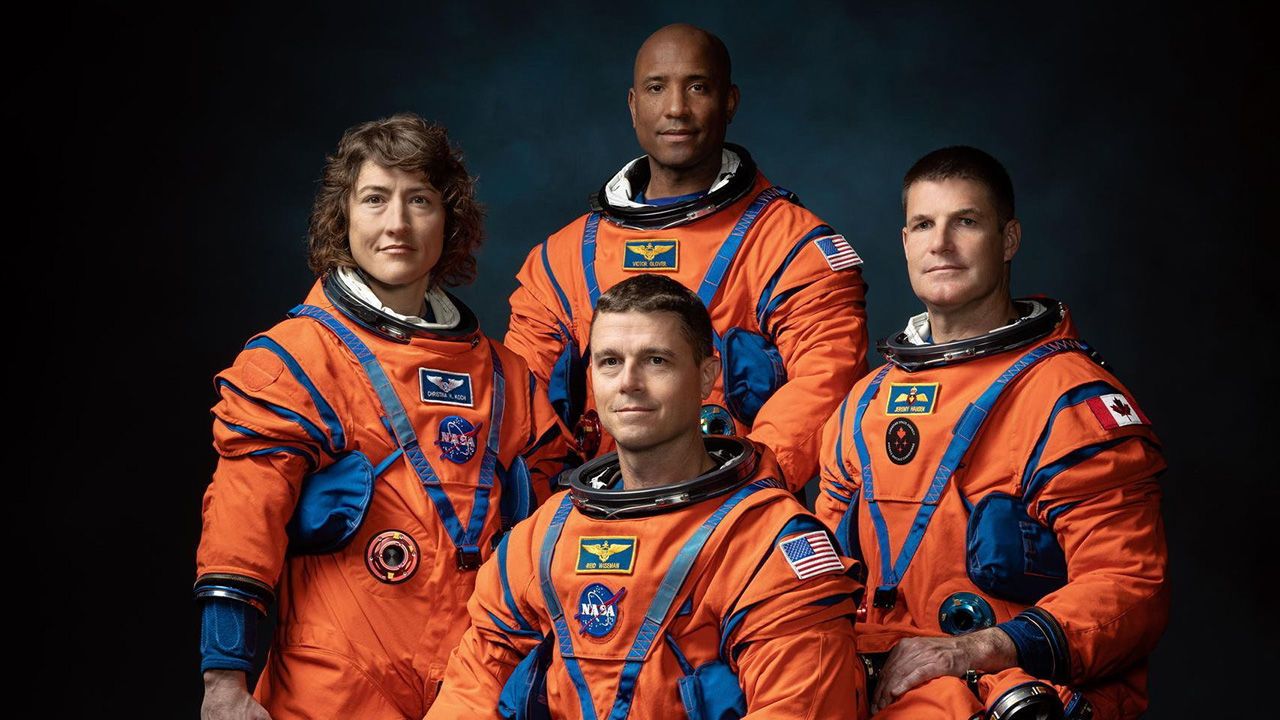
[1012, 239]
[710, 371]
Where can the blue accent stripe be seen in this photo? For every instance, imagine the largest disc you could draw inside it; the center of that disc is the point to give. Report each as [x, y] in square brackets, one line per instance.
[729, 248]
[286, 450]
[506, 585]
[963, 434]
[241, 429]
[1042, 476]
[466, 541]
[589, 257]
[654, 617]
[312, 430]
[327, 414]
[1054, 513]
[510, 631]
[838, 496]
[1071, 398]
[564, 299]
[767, 303]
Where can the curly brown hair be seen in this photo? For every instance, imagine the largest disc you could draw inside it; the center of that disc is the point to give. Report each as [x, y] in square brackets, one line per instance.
[407, 142]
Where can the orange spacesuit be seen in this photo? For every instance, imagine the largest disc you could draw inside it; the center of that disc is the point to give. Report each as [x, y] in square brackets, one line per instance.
[737, 599]
[785, 293]
[365, 630]
[1013, 487]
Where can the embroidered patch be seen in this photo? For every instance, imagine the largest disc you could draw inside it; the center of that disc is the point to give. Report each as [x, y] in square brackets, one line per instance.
[810, 554]
[907, 399]
[445, 388]
[652, 255]
[606, 554]
[901, 440]
[598, 610]
[457, 440]
[1116, 411]
[391, 556]
[839, 253]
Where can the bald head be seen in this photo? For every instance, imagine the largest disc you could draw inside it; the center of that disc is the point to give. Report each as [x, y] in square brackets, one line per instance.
[685, 43]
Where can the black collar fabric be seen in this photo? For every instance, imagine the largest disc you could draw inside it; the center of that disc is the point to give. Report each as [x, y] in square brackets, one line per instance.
[393, 328]
[1029, 328]
[661, 217]
[591, 486]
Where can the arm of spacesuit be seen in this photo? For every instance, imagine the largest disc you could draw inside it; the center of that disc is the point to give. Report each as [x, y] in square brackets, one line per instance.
[550, 450]
[1098, 492]
[820, 331]
[536, 331]
[839, 484]
[503, 632]
[791, 641]
[269, 431]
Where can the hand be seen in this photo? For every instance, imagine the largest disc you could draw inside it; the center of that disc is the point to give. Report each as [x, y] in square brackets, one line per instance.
[915, 661]
[227, 698]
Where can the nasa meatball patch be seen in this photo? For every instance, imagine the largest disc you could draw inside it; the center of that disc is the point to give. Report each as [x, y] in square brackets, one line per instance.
[597, 614]
[457, 440]
[442, 387]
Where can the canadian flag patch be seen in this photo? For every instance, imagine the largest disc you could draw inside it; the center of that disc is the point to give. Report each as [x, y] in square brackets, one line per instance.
[1116, 411]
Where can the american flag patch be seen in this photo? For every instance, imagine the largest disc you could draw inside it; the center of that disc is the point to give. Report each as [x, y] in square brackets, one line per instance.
[811, 554]
[839, 253]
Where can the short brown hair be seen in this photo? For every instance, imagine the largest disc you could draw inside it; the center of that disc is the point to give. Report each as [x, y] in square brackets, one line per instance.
[407, 142]
[968, 163]
[650, 293]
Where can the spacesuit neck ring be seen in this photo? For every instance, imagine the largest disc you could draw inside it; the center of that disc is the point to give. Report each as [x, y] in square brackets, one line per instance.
[590, 486]
[1037, 319]
[661, 217]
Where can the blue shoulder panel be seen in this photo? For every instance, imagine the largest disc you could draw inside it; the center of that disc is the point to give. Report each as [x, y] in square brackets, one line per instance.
[327, 414]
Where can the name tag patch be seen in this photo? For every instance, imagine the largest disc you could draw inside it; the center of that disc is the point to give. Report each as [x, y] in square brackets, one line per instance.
[606, 555]
[907, 399]
[652, 255]
[445, 388]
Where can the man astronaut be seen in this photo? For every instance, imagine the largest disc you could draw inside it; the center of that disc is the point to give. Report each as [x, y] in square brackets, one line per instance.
[998, 482]
[784, 290]
[675, 578]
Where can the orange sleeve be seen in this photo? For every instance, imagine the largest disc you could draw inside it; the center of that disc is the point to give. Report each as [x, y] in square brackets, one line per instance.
[791, 640]
[838, 483]
[821, 332]
[550, 450]
[269, 432]
[539, 326]
[504, 630]
[1097, 489]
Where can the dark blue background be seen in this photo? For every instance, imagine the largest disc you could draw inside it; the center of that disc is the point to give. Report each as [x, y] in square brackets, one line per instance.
[1133, 136]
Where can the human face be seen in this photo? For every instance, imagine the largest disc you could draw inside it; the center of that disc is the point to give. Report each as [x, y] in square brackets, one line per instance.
[956, 250]
[680, 101]
[648, 388]
[396, 230]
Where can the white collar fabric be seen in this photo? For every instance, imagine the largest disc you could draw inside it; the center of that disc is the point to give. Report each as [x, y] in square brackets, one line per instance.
[619, 191]
[446, 313]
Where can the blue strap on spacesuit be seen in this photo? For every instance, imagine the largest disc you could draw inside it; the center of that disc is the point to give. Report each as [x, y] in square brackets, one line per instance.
[753, 367]
[466, 540]
[963, 434]
[654, 617]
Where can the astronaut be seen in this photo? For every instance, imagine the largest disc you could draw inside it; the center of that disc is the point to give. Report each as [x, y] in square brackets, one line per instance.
[784, 289]
[999, 483]
[372, 448]
[675, 578]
